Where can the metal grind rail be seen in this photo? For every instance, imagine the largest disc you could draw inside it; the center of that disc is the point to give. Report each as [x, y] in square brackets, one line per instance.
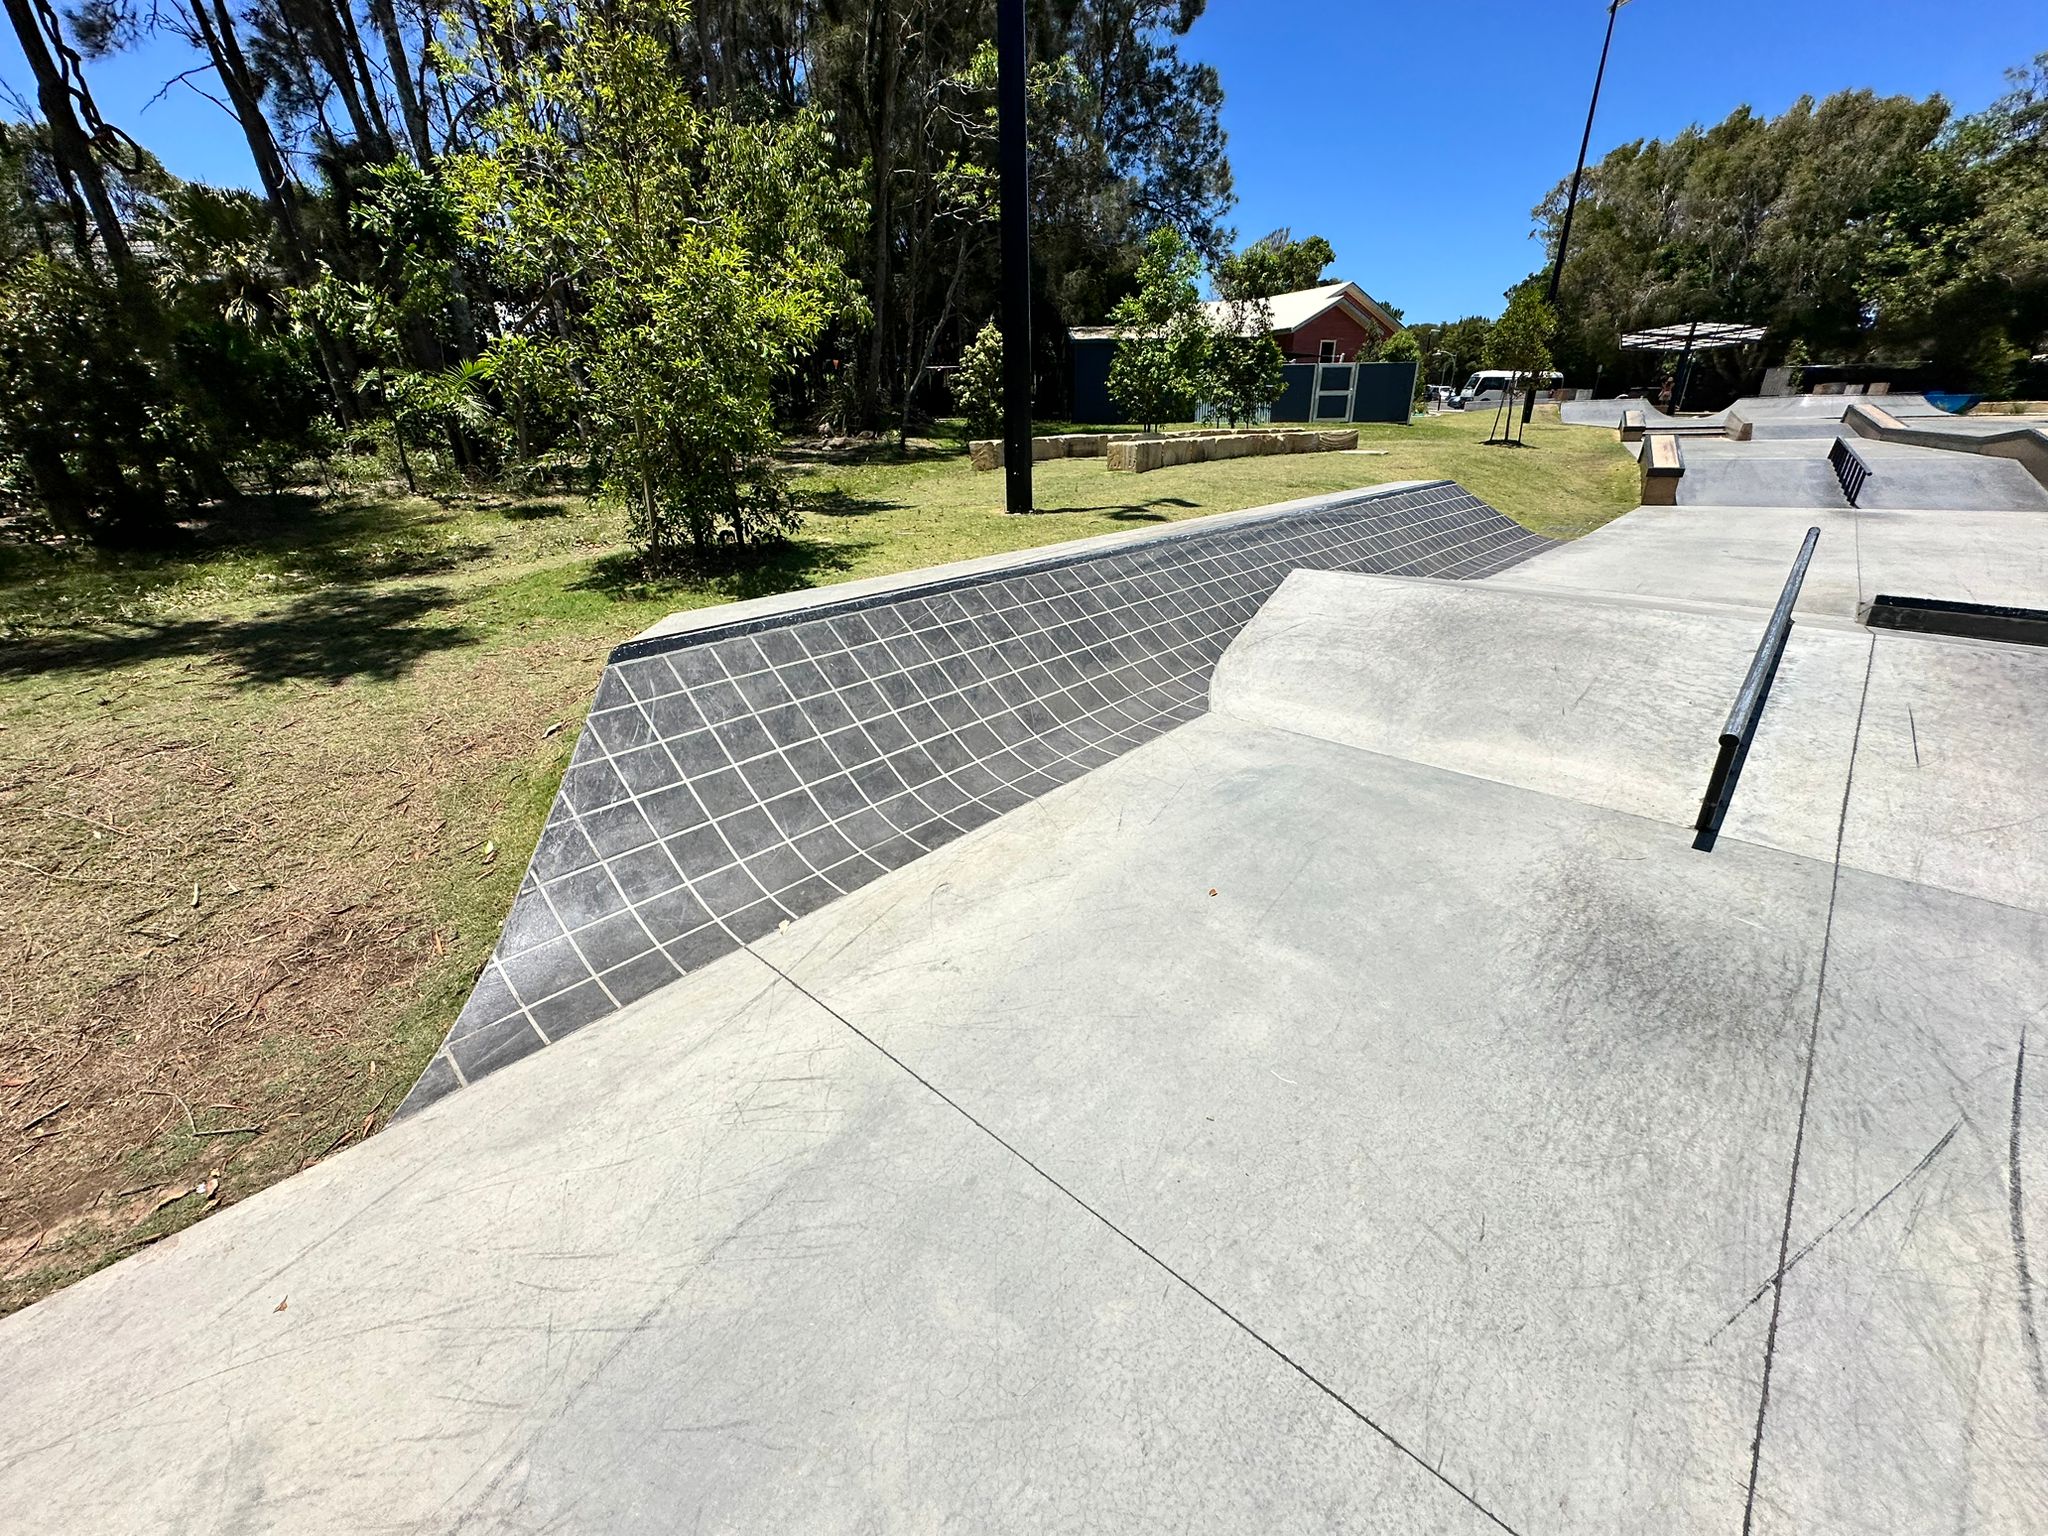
[1740, 730]
[1849, 468]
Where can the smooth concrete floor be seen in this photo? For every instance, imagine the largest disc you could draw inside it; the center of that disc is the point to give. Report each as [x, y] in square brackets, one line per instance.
[1793, 471]
[1740, 556]
[1359, 1109]
[1258, 1133]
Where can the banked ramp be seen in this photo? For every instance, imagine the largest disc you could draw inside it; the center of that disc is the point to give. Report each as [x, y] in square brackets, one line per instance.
[739, 771]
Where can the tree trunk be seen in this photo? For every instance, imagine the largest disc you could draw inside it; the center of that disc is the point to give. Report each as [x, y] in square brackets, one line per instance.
[357, 59]
[883, 55]
[385, 14]
[332, 50]
[224, 48]
[68, 142]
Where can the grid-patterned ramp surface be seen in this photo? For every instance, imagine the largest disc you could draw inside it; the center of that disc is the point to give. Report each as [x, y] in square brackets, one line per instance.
[739, 775]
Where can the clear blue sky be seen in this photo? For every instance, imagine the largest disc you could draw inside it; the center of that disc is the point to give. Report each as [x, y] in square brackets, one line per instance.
[1428, 200]
[1382, 124]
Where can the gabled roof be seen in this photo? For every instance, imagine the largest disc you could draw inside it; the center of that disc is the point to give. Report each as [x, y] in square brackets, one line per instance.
[1291, 311]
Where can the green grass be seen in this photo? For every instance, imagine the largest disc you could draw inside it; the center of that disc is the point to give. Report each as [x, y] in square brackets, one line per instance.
[887, 516]
[265, 798]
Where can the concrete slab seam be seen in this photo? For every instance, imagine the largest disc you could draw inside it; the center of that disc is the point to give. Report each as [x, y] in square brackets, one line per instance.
[1756, 1445]
[1147, 1253]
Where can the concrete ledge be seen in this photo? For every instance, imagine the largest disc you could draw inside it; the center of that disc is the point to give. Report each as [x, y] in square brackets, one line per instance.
[1632, 427]
[2026, 445]
[1662, 465]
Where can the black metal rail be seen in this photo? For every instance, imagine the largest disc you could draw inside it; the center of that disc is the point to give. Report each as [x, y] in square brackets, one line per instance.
[1849, 468]
[1740, 730]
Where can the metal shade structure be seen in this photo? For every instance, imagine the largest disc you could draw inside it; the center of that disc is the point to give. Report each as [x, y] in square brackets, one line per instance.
[1691, 336]
[1686, 338]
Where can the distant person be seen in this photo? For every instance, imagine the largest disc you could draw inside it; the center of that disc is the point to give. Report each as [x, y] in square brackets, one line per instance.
[1664, 396]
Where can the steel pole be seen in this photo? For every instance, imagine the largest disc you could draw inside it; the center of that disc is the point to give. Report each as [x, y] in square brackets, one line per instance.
[1016, 245]
[1571, 201]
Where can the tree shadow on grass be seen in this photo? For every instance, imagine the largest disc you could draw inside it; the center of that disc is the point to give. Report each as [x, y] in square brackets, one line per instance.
[330, 636]
[840, 503]
[320, 541]
[1124, 512]
[729, 575]
[532, 511]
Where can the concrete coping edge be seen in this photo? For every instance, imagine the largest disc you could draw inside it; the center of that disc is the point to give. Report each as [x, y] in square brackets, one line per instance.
[806, 603]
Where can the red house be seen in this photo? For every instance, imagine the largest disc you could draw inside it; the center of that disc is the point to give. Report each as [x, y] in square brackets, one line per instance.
[1335, 323]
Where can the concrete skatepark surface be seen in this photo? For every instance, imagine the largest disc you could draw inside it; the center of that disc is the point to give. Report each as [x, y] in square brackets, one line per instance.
[1352, 1106]
[1794, 472]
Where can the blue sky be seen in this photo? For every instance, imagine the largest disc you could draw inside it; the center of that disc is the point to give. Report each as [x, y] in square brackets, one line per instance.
[1428, 200]
[1381, 124]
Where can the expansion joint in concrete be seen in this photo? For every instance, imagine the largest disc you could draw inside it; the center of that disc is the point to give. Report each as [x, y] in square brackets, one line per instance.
[1148, 1254]
[1820, 991]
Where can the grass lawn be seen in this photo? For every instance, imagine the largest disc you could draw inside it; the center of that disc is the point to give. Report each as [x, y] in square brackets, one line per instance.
[263, 803]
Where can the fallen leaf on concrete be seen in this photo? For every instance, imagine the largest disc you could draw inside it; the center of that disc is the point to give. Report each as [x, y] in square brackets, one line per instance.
[1212, 890]
[281, 1305]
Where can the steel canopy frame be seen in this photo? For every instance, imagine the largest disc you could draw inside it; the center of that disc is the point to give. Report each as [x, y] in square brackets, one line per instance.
[1686, 338]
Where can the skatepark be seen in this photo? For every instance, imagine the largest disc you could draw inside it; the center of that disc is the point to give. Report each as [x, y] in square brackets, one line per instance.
[1219, 1027]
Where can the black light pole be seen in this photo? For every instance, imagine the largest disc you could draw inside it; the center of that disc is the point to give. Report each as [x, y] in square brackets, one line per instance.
[1016, 215]
[1571, 201]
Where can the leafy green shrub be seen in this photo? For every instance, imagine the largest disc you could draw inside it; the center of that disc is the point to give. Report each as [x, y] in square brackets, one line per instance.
[1246, 369]
[978, 385]
[1162, 335]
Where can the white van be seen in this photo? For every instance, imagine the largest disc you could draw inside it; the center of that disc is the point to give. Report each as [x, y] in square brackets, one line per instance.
[1491, 386]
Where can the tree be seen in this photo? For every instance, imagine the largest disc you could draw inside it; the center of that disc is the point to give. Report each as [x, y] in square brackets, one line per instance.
[1450, 349]
[1520, 343]
[1768, 221]
[1163, 335]
[1404, 347]
[1246, 370]
[1276, 264]
[703, 253]
[978, 383]
[1959, 272]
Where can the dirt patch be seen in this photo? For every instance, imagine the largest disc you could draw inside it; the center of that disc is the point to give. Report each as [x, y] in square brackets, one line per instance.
[237, 920]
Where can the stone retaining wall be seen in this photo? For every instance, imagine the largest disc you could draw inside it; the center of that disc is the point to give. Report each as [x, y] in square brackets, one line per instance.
[1137, 453]
[987, 452]
[1140, 454]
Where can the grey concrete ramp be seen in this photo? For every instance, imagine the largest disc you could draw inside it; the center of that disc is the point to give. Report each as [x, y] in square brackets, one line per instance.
[1793, 471]
[1600, 700]
[743, 766]
[1607, 413]
[1739, 556]
[1789, 473]
[1619, 704]
[1907, 478]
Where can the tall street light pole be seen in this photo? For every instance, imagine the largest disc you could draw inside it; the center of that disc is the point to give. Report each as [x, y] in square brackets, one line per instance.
[1016, 245]
[1564, 234]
